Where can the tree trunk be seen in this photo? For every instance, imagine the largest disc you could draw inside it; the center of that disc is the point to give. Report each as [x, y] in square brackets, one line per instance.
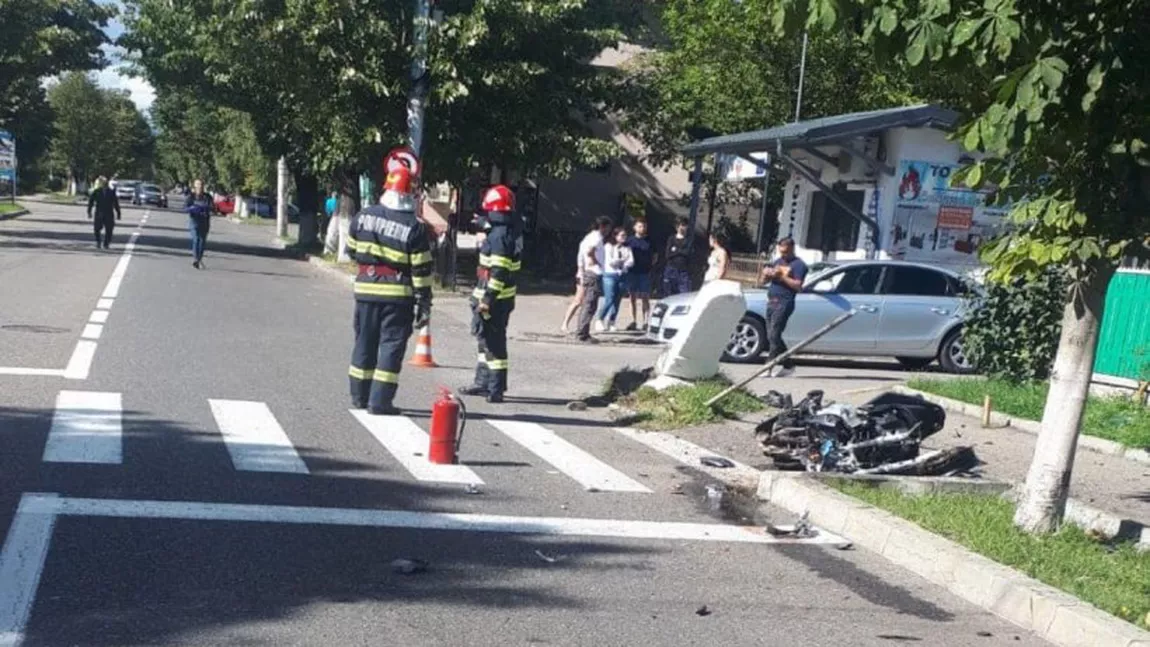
[307, 187]
[281, 198]
[1043, 501]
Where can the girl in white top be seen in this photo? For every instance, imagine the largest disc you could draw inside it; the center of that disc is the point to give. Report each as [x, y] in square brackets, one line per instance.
[617, 260]
[719, 260]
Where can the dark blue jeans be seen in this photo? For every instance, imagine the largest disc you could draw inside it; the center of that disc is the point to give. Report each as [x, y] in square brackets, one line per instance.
[198, 226]
[613, 286]
[675, 281]
[778, 312]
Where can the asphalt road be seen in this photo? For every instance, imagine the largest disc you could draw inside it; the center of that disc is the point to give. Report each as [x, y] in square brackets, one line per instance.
[178, 466]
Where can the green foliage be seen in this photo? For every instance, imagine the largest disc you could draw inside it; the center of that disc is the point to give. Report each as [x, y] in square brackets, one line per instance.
[1111, 577]
[97, 131]
[42, 38]
[723, 69]
[1116, 419]
[24, 112]
[325, 82]
[1012, 331]
[740, 238]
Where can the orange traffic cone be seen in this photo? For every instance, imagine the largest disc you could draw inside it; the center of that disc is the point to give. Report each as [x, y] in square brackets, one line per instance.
[422, 356]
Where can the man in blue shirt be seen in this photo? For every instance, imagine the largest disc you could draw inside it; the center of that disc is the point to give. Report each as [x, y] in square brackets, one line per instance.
[784, 278]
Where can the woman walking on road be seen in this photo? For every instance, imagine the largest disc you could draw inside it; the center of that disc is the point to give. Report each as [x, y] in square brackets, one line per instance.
[199, 206]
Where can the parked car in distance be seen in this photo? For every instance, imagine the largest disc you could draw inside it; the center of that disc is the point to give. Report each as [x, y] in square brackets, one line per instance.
[911, 311]
[126, 190]
[150, 194]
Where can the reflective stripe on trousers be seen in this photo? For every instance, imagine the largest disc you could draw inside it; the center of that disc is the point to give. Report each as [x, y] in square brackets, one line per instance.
[381, 333]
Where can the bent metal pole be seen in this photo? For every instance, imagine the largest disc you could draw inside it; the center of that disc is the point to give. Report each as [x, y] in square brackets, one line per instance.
[838, 321]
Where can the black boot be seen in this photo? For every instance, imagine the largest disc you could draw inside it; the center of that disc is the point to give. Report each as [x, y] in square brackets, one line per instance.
[383, 410]
[495, 398]
[474, 389]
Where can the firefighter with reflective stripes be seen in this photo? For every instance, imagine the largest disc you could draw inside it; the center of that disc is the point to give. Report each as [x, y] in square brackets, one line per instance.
[392, 291]
[494, 295]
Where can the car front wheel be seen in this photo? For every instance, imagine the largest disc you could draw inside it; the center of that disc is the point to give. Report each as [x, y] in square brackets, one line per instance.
[952, 354]
[747, 341]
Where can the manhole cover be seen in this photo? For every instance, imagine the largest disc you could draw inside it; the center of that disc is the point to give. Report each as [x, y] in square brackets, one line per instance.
[32, 328]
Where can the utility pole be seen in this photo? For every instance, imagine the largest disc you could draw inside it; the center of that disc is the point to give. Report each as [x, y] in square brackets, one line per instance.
[281, 198]
[802, 75]
[419, 80]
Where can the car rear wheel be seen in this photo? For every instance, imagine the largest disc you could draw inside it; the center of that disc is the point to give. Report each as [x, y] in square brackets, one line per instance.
[915, 363]
[952, 355]
[747, 341]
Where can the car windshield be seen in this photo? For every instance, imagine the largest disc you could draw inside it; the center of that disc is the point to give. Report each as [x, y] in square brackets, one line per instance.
[151, 188]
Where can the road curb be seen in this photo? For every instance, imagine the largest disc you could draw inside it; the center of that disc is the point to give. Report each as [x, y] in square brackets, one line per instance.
[13, 214]
[1051, 614]
[1098, 445]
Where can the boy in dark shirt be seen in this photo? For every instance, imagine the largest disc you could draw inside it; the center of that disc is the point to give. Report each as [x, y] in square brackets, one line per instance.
[676, 279]
[784, 276]
[639, 278]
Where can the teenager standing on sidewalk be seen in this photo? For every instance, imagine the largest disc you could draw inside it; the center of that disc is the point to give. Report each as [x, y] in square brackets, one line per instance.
[199, 206]
[104, 200]
[785, 276]
[617, 261]
[639, 278]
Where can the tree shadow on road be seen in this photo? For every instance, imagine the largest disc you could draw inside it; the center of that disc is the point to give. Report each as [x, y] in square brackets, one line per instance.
[120, 581]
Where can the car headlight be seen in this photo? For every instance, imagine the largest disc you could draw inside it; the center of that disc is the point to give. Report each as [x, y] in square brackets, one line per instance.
[680, 310]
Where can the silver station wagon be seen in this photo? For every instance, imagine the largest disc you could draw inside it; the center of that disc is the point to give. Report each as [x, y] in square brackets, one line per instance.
[910, 311]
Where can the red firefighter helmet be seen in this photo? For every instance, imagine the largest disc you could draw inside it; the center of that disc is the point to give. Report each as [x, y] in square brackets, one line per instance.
[498, 198]
[398, 180]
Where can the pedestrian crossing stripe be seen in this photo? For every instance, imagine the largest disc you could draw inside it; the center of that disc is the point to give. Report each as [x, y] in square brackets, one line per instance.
[88, 428]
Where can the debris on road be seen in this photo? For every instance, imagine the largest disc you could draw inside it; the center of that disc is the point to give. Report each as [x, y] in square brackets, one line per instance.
[802, 529]
[577, 405]
[703, 611]
[882, 436]
[549, 559]
[472, 488]
[716, 461]
[408, 566]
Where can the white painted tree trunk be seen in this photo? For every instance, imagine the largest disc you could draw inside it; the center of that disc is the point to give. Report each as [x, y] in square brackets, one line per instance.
[1043, 502]
[281, 198]
[331, 236]
[343, 221]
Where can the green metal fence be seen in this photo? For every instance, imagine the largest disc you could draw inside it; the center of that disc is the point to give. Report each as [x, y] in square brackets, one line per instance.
[1124, 345]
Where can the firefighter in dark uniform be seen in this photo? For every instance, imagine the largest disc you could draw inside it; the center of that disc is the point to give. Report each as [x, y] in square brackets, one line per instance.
[494, 295]
[392, 291]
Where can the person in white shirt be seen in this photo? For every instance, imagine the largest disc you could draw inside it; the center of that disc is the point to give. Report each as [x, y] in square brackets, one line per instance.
[719, 260]
[617, 261]
[577, 300]
[591, 255]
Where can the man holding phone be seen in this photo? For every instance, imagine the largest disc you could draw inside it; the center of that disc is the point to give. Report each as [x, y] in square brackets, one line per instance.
[784, 278]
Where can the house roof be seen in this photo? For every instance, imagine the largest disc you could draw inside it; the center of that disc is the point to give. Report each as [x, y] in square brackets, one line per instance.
[825, 130]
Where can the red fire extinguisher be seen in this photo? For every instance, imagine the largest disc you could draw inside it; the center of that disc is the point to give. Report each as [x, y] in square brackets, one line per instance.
[448, 417]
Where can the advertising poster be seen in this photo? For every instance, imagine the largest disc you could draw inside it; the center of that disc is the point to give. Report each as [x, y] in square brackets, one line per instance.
[936, 221]
[7, 163]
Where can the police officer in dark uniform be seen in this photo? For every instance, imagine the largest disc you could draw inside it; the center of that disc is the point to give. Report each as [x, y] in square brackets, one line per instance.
[494, 295]
[392, 291]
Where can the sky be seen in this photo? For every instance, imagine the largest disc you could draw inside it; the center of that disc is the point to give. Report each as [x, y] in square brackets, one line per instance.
[140, 90]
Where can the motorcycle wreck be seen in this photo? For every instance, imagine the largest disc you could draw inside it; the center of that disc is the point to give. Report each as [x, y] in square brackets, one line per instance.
[882, 436]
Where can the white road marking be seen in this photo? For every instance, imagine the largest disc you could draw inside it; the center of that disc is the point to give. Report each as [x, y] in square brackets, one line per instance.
[588, 471]
[112, 289]
[454, 521]
[92, 331]
[86, 428]
[689, 454]
[104, 304]
[21, 563]
[255, 440]
[408, 444]
[81, 361]
[98, 316]
[39, 372]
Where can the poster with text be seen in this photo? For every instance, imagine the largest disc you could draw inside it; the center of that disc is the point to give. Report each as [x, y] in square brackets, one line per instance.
[937, 221]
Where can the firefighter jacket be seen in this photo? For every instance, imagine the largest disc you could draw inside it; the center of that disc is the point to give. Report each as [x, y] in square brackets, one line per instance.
[499, 264]
[393, 252]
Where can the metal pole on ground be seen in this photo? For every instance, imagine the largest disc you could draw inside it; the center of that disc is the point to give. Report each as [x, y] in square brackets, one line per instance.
[418, 95]
[838, 321]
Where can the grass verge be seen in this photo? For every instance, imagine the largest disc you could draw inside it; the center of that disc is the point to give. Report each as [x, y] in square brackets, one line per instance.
[1114, 578]
[685, 406]
[8, 207]
[1117, 419]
